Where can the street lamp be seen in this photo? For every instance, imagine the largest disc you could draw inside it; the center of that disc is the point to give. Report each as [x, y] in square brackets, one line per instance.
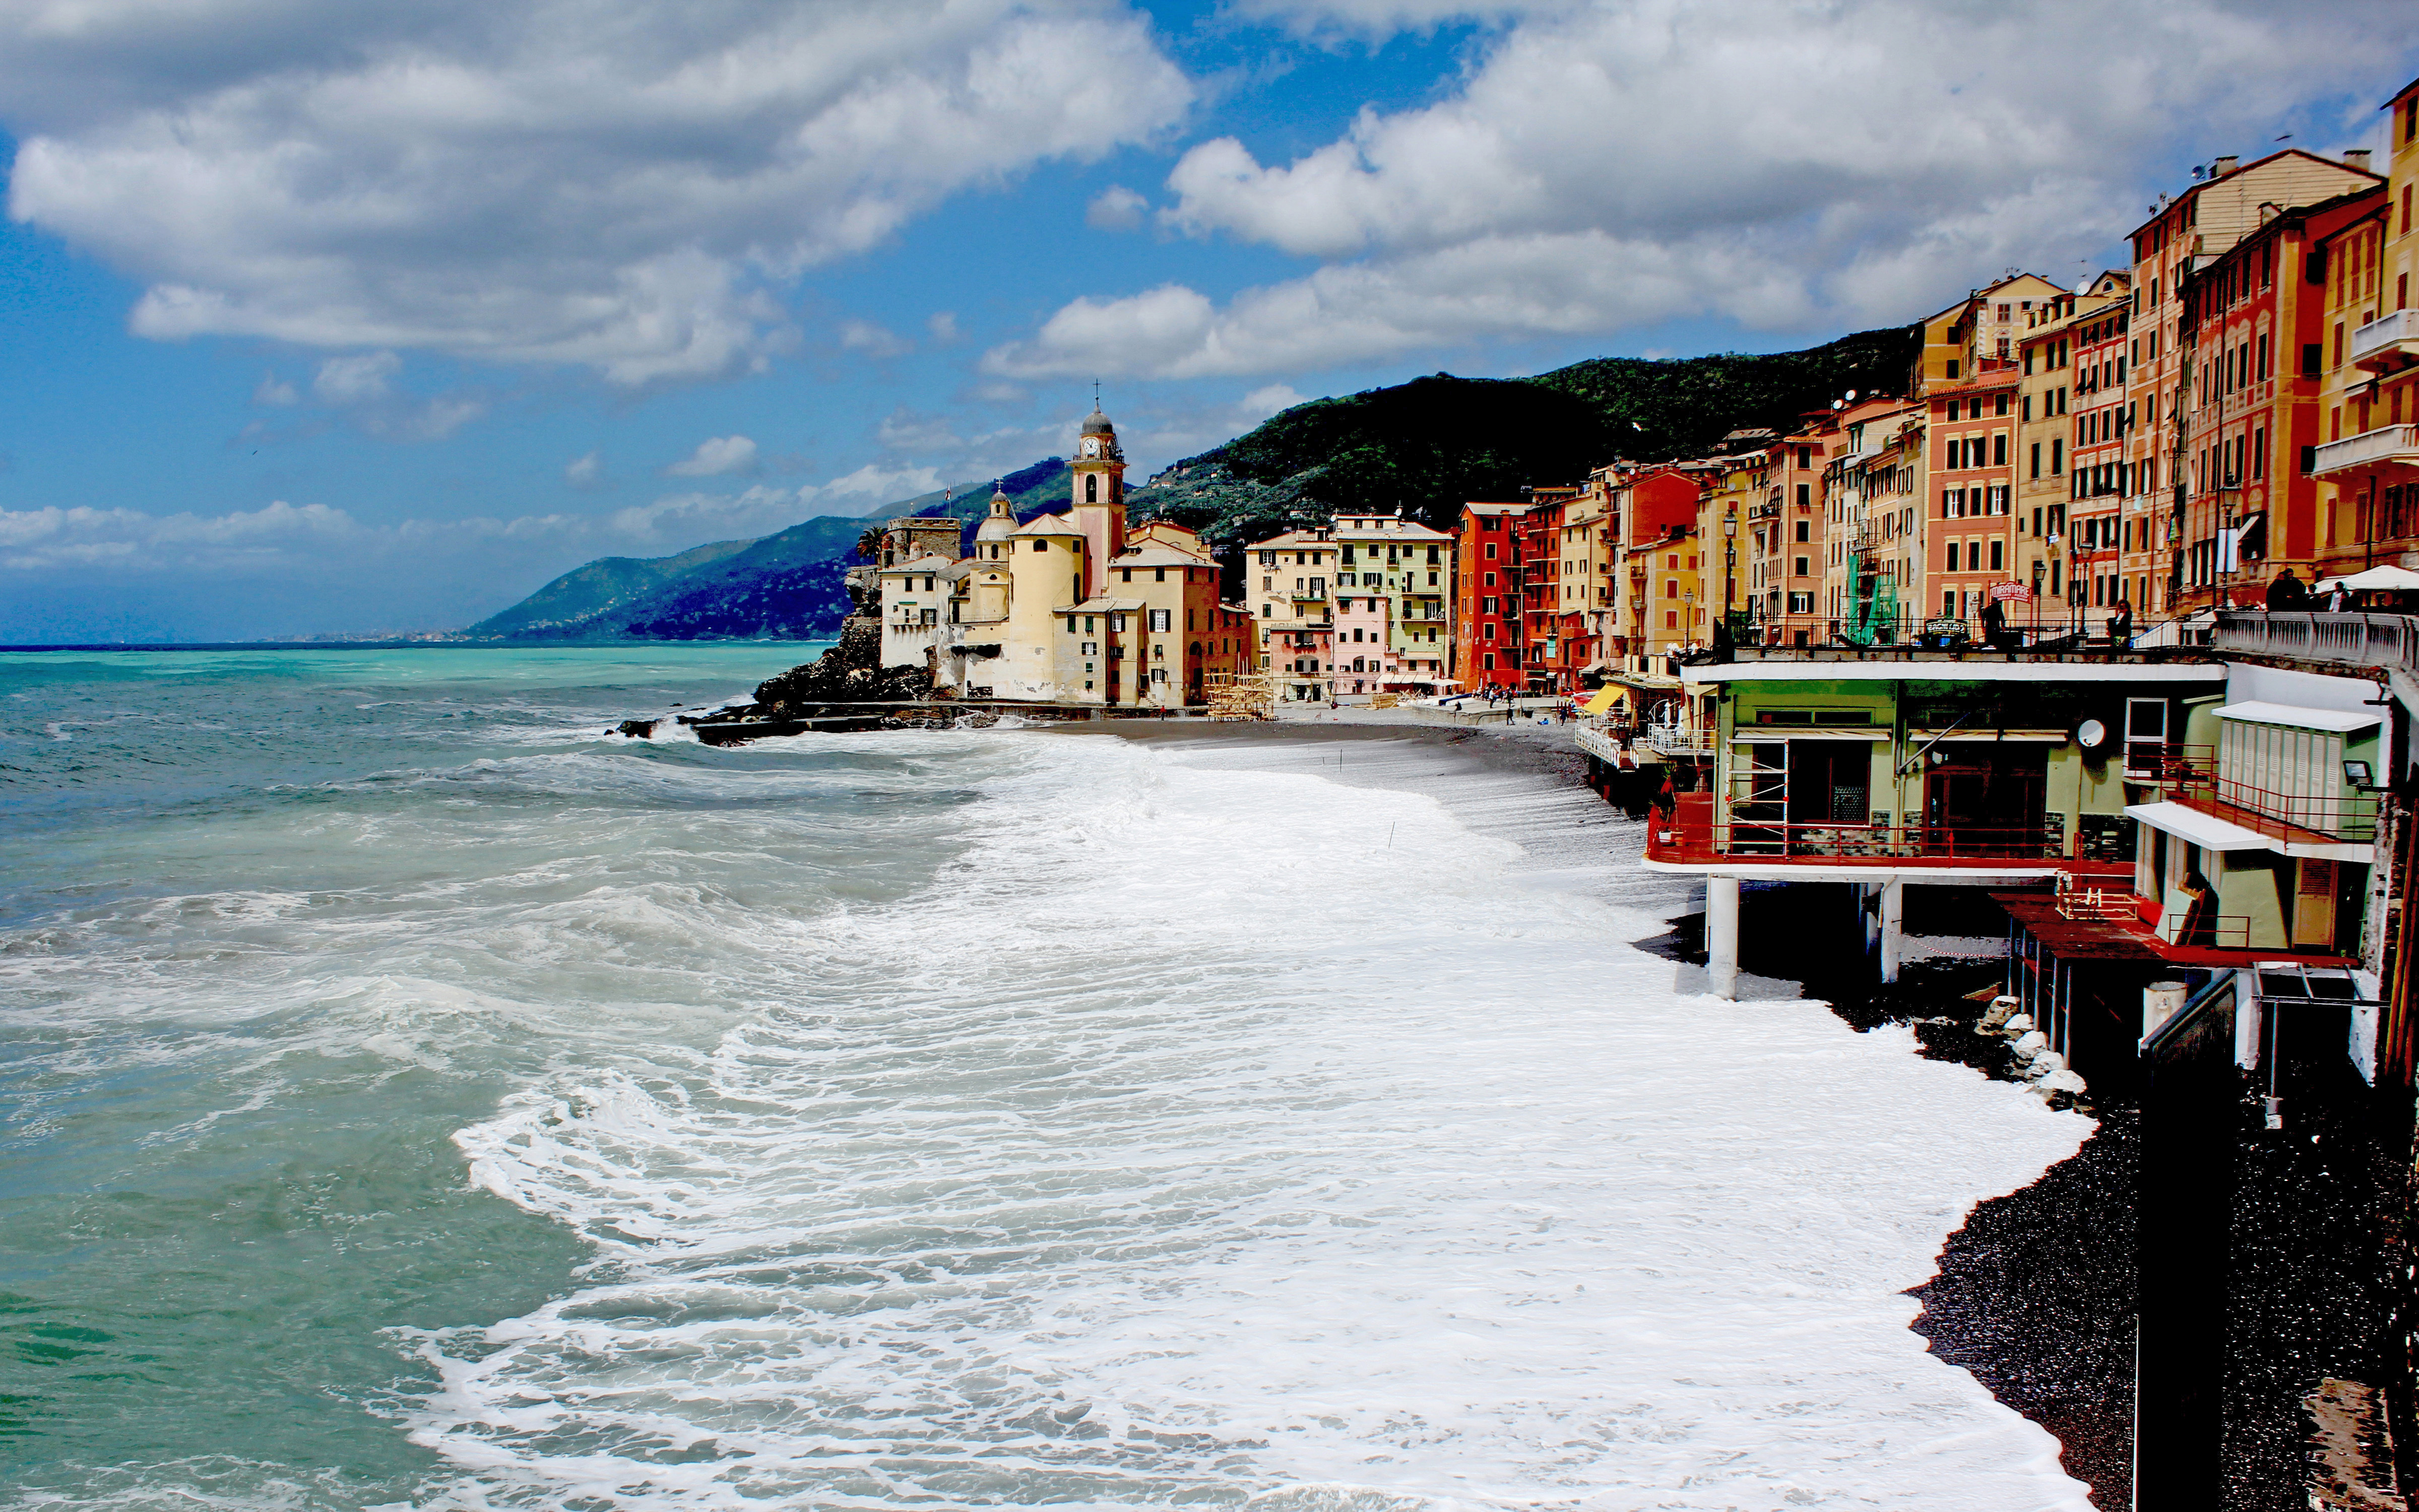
[1729, 560]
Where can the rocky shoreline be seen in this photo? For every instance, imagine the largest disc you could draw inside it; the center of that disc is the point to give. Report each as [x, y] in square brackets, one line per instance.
[831, 692]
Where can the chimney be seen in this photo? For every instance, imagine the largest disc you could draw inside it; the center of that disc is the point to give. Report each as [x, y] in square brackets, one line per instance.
[2356, 158]
[2224, 166]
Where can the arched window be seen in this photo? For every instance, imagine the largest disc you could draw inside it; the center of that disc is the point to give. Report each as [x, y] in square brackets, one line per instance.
[1091, 488]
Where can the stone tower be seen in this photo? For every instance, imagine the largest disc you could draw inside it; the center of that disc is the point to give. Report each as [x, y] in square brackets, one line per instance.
[1100, 496]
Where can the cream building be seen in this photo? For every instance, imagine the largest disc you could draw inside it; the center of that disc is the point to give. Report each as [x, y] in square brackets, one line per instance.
[1287, 581]
[1069, 608]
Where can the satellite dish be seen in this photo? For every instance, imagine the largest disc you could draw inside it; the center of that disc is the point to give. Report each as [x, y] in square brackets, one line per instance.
[2090, 734]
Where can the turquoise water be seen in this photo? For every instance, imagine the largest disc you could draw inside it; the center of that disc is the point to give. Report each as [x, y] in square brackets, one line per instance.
[414, 1096]
[277, 925]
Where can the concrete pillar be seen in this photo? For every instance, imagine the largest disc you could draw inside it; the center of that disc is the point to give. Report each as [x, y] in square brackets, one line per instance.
[1721, 935]
[1894, 915]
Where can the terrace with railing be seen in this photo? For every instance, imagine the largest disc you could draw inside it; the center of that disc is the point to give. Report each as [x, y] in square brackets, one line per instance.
[1702, 830]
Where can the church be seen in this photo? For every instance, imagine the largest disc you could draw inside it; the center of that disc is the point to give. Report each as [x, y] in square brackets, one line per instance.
[1070, 607]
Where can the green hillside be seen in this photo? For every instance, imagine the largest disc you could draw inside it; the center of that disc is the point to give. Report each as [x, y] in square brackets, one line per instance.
[586, 591]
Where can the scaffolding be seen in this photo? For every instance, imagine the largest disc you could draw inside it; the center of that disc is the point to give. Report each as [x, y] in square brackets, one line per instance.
[1241, 695]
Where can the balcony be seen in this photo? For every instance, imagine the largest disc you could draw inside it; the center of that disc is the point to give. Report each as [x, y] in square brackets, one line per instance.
[2389, 341]
[1700, 832]
[2395, 445]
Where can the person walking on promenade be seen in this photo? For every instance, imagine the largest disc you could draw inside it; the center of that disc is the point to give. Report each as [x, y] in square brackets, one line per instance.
[2121, 625]
[2286, 595]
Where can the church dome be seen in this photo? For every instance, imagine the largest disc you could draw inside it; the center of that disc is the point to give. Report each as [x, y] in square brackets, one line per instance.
[1097, 423]
[1001, 522]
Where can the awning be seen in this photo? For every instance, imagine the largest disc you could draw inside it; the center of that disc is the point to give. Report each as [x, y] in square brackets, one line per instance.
[2209, 832]
[2299, 718]
[1604, 698]
[2376, 579]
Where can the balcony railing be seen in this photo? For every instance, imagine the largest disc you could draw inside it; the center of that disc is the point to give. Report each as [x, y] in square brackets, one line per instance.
[1699, 831]
[2386, 444]
[1677, 739]
[2192, 775]
[2380, 640]
[2388, 341]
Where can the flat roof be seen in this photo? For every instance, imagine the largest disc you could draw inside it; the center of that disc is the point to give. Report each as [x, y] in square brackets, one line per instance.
[2300, 718]
[1942, 666]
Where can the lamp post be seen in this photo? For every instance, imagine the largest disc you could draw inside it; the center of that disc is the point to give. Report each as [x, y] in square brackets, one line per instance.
[1729, 560]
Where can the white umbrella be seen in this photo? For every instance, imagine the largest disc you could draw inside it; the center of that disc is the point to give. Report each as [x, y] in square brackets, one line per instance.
[2376, 580]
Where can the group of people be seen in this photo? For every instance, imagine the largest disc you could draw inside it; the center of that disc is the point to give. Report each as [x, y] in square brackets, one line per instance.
[2289, 595]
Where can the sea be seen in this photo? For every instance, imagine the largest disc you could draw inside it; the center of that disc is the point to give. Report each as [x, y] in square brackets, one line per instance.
[414, 1096]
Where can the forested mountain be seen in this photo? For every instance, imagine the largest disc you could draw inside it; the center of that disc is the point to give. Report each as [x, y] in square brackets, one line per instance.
[1429, 445]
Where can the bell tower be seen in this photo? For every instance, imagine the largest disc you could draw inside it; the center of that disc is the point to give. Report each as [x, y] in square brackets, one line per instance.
[1098, 486]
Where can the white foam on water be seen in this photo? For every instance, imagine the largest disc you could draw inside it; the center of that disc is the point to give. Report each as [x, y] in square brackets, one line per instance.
[1218, 1135]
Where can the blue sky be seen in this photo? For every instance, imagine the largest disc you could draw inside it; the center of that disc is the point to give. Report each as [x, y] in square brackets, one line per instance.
[321, 319]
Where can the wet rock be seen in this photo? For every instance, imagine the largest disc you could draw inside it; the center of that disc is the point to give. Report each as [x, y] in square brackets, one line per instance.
[638, 729]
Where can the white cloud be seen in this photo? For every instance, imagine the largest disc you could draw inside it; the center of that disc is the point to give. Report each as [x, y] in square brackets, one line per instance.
[872, 339]
[1117, 208]
[583, 472]
[352, 380]
[597, 182]
[274, 393]
[1379, 19]
[717, 455]
[1787, 166]
[131, 541]
[944, 326]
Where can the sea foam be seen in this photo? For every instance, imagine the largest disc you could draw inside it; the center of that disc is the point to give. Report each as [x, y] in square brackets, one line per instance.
[1210, 1132]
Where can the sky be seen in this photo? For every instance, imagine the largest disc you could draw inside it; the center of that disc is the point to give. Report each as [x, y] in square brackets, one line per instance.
[326, 319]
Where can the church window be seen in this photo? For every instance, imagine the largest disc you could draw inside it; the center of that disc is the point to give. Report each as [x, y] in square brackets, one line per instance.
[1042, 545]
[1091, 488]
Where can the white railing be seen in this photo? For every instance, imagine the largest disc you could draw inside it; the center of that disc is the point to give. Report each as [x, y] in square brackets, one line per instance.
[2387, 443]
[2389, 330]
[1670, 738]
[2386, 640]
[1598, 744]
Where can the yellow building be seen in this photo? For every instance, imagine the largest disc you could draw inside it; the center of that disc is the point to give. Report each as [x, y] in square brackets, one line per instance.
[2367, 457]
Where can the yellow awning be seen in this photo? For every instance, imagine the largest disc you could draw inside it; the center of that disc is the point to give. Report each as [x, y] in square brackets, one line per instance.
[1604, 698]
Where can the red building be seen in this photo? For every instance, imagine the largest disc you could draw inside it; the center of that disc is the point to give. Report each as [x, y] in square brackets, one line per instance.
[1661, 579]
[1486, 639]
